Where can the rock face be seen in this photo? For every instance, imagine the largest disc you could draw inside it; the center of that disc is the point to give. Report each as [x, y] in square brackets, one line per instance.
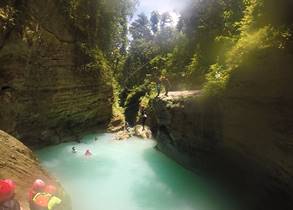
[18, 163]
[245, 137]
[187, 129]
[47, 92]
[229, 143]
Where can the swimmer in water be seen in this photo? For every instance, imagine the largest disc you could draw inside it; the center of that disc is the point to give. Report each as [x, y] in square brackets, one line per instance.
[87, 153]
[74, 150]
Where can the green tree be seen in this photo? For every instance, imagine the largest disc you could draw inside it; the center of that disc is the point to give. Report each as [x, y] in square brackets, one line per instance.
[140, 28]
[155, 20]
[166, 19]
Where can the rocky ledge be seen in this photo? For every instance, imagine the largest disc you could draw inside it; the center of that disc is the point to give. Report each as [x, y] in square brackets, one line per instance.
[18, 163]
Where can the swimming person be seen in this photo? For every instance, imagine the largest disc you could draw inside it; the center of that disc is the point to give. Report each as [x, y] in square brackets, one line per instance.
[74, 150]
[166, 83]
[87, 153]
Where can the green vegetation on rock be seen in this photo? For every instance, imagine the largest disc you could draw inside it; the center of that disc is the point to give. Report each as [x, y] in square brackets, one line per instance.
[57, 61]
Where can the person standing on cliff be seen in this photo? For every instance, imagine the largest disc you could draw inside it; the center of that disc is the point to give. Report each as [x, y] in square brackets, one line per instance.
[126, 126]
[143, 117]
[166, 83]
[158, 86]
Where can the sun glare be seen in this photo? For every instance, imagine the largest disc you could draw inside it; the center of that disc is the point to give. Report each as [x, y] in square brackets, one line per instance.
[171, 6]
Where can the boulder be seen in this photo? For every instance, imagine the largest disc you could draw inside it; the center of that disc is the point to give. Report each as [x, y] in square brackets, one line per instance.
[17, 162]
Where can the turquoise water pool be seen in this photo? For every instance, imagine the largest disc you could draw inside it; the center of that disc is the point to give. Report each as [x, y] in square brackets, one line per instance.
[127, 175]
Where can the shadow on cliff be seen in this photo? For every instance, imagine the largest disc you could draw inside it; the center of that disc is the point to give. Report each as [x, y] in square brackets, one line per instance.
[175, 187]
[248, 189]
[132, 107]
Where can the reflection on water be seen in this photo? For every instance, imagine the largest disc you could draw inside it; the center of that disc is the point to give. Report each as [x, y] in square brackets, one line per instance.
[127, 175]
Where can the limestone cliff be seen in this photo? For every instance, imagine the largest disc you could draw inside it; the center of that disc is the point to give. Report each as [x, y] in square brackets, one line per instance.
[48, 92]
[18, 163]
[244, 137]
[229, 142]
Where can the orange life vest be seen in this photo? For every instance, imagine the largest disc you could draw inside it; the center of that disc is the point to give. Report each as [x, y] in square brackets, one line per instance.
[41, 200]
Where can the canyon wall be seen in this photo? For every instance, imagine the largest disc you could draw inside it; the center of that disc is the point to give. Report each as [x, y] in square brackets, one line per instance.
[47, 91]
[243, 137]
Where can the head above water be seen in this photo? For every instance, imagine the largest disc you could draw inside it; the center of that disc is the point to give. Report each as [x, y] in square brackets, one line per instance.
[88, 152]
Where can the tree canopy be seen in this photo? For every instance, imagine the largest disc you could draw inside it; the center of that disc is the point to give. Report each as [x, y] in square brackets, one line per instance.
[209, 42]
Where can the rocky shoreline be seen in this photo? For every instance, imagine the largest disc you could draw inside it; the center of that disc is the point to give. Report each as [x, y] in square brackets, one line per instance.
[138, 131]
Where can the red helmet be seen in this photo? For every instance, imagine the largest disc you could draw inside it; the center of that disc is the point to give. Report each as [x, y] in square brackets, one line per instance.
[38, 184]
[6, 190]
[11, 184]
[50, 189]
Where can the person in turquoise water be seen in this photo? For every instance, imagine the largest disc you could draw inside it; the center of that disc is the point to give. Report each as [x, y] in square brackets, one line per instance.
[74, 150]
[87, 153]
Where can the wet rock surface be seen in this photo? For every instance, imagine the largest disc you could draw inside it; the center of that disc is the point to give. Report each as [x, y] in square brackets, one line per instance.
[18, 163]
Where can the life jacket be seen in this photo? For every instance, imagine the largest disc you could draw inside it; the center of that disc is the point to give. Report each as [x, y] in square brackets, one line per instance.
[45, 201]
[10, 205]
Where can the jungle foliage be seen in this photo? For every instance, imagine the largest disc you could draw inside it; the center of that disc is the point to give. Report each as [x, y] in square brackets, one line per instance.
[212, 39]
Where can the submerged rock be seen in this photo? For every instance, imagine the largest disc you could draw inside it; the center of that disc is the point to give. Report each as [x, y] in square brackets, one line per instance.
[18, 163]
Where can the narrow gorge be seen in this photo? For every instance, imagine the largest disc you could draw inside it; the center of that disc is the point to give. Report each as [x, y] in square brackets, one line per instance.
[208, 82]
